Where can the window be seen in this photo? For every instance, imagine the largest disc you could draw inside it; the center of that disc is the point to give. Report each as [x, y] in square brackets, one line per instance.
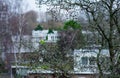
[92, 60]
[84, 60]
[1, 7]
[52, 38]
[5, 8]
[88, 60]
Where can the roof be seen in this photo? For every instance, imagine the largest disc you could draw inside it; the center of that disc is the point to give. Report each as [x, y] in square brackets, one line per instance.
[92, 51]
[38, 33]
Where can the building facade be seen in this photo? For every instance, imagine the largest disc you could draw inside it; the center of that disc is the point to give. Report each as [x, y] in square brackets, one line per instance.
[45, 36]
[84, 59]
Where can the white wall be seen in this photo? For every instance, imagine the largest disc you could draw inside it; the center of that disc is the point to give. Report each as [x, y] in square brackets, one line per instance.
[88, 68]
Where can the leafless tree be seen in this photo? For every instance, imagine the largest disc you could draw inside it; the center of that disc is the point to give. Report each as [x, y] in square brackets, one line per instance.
[103, 16]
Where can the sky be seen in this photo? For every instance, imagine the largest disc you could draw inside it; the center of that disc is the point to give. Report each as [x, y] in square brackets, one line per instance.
[32, 6]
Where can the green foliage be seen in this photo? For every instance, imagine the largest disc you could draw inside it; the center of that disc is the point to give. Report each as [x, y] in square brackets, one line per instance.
[39, 27]
[71, 24]
[45, 67]
[2, 67]
[42, 42]
[46, 37]
[50, 31]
